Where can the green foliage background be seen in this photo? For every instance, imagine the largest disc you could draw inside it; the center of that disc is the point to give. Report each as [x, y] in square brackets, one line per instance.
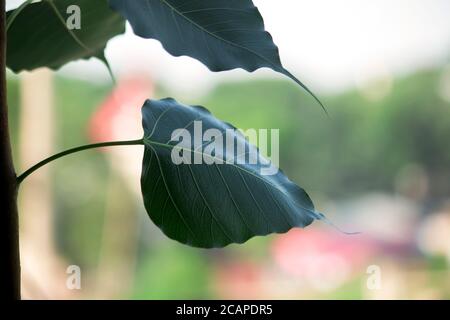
[359, 149]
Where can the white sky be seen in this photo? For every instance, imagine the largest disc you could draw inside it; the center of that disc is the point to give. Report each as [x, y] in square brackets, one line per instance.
[328, 44]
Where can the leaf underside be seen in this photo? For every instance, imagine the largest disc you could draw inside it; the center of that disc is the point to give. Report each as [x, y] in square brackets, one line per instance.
[39, 37]
[222, 34]
[212, 205]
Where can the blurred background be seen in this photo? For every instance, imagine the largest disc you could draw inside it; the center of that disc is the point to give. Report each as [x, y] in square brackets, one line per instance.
[380, 164]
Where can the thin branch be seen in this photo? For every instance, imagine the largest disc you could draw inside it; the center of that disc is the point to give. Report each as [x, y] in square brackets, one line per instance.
[22, 177]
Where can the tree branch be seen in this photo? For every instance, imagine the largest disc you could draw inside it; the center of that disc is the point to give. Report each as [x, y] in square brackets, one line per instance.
[9, 220]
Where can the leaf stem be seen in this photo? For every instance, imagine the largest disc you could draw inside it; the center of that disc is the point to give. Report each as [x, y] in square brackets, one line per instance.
[22, 177]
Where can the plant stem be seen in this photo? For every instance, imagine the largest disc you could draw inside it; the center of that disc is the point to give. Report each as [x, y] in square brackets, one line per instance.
[9, 219]
[21, 177]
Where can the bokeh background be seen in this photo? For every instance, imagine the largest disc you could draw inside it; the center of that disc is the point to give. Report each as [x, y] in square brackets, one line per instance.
[380, 164]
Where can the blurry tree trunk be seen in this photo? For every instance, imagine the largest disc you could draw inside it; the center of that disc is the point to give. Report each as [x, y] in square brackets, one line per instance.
[36, 143]
[43, 273]
[9, 224]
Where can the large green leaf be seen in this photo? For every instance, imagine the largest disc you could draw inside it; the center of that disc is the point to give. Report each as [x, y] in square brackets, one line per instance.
[222, 34]
[38, 35]
[215, 204]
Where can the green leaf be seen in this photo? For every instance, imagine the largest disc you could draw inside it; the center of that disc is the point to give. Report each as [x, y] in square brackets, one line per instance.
[212, 205]
[222, 34]
[38, 35]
